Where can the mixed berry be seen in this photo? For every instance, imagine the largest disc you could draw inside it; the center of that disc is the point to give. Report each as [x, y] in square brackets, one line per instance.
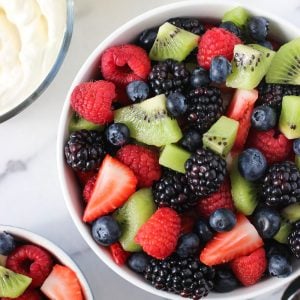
[187, 152]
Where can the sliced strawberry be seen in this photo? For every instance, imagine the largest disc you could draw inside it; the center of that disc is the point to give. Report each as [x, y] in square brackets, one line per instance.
[114, 185]
[119, 255]
[225, 246]
[240, 109]
[62, 284]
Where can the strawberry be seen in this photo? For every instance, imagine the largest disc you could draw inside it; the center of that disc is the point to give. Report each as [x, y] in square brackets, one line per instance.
[114, 185]
[225, 246]
[62, 284]
[119, 255]
[249, 269]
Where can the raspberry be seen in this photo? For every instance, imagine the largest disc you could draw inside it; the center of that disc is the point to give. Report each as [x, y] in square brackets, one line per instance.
[274, 145]
[31, 261]
[119, 255]
[92, 101]
[84, 177]
[249, 269]
[28, 295]
[142, 161]
[88, 188]
[125, 63]
[158, 236]
[220, 199]
[216, 41]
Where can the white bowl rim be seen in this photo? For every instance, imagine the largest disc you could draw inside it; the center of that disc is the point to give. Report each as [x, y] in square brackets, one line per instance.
[280, 283]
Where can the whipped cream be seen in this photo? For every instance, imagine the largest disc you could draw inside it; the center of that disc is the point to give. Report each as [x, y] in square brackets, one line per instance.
[31, 35]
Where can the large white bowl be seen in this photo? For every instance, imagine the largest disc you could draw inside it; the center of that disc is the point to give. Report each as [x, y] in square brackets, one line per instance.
[126, 33]
[58, 253]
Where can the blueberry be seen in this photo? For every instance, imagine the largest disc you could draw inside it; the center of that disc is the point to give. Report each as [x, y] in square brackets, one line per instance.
[188, 245]
[273, 247]
[137, 90]
[176, 104]
[147, 37]
[117, 134]
[252, 164]
[296, 146]
[191, 140]
[258, 28]
[279, 266]
[7, 243]
[199, 77]
[138, 262]
[203, 231]
[225, 281]
[231, 27]
[267, 221]
[222, 219]
[219, 69]
[263, 118]
[106, 231]
[266, 44]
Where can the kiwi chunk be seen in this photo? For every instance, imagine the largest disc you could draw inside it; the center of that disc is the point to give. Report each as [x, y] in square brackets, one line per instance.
[284, 231]
[174, 157]
[78, 123]
[173, 42]
[244, 193]
[285, 67]
[289, 121]
[297, 161]
[12, 285]
[249, 66]
[291, 213]
[221, 136]
[238, 15]
[149, 123]
[132, 215]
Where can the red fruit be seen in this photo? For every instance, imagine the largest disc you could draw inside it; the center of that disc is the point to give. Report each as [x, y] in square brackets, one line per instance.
[220, 199]
[158, 236]
[62, 284]
[85, 176]
[122, 96]
[32, 261]
[225, 246]
[142, 161]
[92, 101]
[188, 220]
[28, 295]
[89, 188]
[125, 63]
[274, 145]
[214, 42]
[119, 255]
[114, 185]
[240, 109]
[249, 269]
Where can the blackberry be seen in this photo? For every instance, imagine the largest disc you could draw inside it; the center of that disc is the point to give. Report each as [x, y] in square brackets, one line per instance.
[193, 25]
[205, 107]
[172, 191]
[281, 185]
[294, 240]
[85, 150]
[205, 172]
[168, 76]
[186, 277]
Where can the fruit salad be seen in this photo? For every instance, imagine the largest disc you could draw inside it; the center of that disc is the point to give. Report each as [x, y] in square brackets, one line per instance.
[186, 146]
[30, 272]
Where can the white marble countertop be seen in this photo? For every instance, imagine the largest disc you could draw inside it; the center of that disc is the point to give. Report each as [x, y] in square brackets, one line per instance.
[29, 189]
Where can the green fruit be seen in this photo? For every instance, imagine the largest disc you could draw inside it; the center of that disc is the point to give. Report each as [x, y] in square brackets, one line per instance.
[284, 231]
[249, 66]
[173, 42]
[132, 215]
[285, 67]
[149, 122]
[238, 16]
[244, 193]
[174, 157]
[12, 285]
[291, 213]
[297, 161]
[78, 123]
[221, 136]
[289, 121]
[3, 259]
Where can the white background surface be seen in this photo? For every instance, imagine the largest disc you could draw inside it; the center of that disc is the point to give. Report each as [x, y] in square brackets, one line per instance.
[30, 195]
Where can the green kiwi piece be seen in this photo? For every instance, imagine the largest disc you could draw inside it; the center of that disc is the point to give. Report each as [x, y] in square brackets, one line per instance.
[173, 42]
[284, 231]
[12, 285]
[249, 66]
[3, 259]
[291, 213]
[297, 161]
[221, 136]
[244, 193]
[238, 15]
[149, 123]
[174, 157]
[78, 123]
[289, 121]
[285, 67]
[132, 215]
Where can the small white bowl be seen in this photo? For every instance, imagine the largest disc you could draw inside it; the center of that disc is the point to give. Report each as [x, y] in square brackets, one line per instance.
[212, 9]
[32, 238]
